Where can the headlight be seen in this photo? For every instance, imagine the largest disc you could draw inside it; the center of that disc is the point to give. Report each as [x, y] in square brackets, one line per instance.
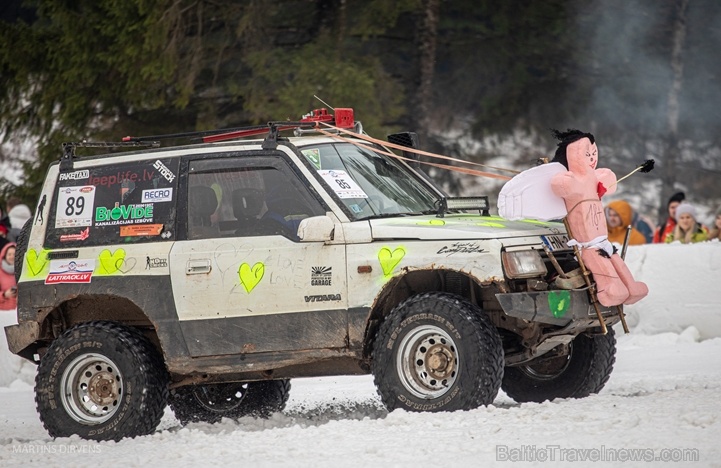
[523, 264]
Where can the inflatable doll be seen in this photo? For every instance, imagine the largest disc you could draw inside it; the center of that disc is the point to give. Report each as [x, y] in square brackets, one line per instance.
[580, 185]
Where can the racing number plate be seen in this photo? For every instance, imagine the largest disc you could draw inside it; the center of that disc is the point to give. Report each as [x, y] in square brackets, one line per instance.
[556, 242]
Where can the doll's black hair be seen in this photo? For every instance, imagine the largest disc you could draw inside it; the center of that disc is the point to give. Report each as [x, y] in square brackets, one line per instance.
[566, 138]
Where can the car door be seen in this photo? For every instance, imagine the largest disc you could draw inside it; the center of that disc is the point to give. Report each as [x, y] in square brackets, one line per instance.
[242, 281]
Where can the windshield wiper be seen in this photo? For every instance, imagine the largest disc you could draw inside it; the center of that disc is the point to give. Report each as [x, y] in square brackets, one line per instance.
[384, 215]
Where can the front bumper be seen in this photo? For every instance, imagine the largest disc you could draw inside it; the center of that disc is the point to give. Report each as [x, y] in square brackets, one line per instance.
[556, 307]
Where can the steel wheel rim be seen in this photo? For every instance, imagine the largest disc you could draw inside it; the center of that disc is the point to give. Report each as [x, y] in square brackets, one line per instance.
[543, 371]
[220, 398]
[91, 389]
[427, 362]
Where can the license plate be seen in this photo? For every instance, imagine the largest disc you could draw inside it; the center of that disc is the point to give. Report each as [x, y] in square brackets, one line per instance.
[556, 242]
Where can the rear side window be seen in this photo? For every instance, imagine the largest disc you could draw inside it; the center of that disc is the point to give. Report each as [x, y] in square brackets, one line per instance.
[114, 204]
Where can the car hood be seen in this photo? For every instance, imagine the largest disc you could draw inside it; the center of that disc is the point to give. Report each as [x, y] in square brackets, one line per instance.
[460, 226]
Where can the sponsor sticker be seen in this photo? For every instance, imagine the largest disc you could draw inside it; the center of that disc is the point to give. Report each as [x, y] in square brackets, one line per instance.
[164, 171]
[156, 262]
[124, 214]
[81, 236]
[70, 271]
[141, 230]
[157, 195]
[321, 276]
[84, 174]
[312, 155]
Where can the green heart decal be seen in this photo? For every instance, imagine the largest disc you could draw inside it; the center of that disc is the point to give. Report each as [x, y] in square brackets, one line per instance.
[250, 277]
[36, 261]
[111, 262]
[389, 260]
[559, 302]
[432, 222]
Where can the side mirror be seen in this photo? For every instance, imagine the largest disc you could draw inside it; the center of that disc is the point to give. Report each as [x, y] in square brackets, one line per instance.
[316, 229]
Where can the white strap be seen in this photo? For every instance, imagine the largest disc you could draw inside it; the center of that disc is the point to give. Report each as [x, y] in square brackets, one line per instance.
[600, 242]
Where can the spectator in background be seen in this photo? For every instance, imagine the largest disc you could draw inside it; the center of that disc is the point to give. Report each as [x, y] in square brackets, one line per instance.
[716, 229]
[18, 214]
[8, 287]
[4, 220]
[667, 227]
[3, 236]
[619, 215]
[644, 226]
[687, 230]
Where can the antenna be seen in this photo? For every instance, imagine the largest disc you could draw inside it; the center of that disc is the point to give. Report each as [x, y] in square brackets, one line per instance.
[324, 103]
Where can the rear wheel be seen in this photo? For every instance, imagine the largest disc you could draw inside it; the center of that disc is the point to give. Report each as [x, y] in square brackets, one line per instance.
[101, 381]
[583, 371]
[437, 352]
[211, 403]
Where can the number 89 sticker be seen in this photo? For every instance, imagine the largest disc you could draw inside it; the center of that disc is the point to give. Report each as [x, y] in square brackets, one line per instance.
[75, 207]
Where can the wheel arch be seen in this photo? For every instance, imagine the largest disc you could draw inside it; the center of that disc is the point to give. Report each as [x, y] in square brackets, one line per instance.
[86, 308]
[414, 282]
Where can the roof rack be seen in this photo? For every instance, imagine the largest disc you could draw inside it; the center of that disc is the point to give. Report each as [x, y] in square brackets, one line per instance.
[343, 118]
[66, 161]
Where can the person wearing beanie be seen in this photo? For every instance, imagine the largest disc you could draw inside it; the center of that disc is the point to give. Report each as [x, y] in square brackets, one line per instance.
[619, 216]
[715, 232]
[8, 287]
[667, 227]
[18, 215]
[687, 230]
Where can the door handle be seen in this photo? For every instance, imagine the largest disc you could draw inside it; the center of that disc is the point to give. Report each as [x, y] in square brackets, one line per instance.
[198, 266]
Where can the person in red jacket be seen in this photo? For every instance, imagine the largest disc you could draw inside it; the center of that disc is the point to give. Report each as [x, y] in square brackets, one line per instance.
[667, 227]
[8, 286]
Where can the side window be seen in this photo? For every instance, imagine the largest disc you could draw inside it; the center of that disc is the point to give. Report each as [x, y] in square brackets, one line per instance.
[241, 202]
[113, 204]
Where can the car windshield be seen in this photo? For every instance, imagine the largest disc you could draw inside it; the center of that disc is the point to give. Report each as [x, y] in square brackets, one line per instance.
[369, 184]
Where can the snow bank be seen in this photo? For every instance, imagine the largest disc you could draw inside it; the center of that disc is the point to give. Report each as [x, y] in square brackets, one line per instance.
[684, 284]
[12, 368]
[684, 291]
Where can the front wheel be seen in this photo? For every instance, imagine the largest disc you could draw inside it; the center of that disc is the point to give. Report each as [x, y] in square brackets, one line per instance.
[583, 371]
[437, 352]
[101, 381]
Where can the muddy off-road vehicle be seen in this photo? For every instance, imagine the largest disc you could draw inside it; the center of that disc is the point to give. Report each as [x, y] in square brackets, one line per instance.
[206, 276]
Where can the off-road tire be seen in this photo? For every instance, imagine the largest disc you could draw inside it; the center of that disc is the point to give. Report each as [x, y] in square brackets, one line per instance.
[21, 247]
[101, 381]
[437, 352]
[211, 403]
[585, 370]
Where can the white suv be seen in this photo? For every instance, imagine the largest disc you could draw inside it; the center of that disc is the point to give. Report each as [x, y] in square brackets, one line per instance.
[206, 276]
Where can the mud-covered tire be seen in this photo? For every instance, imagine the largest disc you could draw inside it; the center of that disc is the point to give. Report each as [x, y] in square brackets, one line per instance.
[21, 247]
[585, 370]
[210, 403]
[101, 381]
[437, 352]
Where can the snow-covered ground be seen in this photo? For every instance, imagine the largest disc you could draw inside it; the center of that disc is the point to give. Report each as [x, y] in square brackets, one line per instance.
[662, 405]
